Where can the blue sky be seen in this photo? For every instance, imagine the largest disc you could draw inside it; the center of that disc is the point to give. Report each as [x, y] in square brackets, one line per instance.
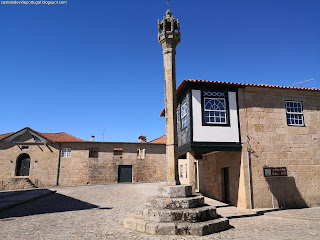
[93, 66]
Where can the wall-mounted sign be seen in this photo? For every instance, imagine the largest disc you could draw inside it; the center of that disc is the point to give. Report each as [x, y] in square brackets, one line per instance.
[275, 172]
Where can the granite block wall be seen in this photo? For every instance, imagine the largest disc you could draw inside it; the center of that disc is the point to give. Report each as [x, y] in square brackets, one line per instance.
[80, 169]
[272, 143]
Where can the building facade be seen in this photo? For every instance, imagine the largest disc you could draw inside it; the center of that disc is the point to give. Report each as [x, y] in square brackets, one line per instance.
[230, 135]
[51, 159]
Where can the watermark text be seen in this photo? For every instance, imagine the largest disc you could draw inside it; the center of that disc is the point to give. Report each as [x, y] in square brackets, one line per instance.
[34, 2]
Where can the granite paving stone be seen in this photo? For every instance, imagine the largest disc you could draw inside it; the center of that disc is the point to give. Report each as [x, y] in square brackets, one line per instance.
[97, 212]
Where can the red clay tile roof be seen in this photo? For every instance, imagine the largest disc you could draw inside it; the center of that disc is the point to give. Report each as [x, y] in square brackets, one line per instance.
[61, 137]
[53, 137]
[244, 85]
[237, 84]
[161, 139]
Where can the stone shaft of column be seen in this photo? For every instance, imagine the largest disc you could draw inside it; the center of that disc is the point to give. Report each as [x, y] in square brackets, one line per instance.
[171, 115]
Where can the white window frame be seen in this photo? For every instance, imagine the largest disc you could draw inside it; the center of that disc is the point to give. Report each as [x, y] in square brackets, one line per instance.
[220, 111]
[291, 115]
[181, 171]
[141, 154]
[186, 170]
[184, 114]
[178, 120]
[66, 152]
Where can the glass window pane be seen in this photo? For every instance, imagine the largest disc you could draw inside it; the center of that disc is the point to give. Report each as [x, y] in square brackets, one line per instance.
[208, 104]
[214, 108]
[183, 109]
[214, 104]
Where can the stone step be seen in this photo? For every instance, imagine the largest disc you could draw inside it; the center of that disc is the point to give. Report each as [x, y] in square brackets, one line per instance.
[177, 228]
[199, 214]
[174, 191]
[19, 183]
[175, 203]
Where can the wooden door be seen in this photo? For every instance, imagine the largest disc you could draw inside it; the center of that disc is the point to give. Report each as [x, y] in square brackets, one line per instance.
[23, 165]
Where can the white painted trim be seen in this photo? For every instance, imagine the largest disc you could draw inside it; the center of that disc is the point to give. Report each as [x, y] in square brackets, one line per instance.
[214, 133]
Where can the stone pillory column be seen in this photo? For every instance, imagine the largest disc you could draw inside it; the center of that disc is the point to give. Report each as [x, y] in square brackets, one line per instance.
[169, 37]
[175, 210]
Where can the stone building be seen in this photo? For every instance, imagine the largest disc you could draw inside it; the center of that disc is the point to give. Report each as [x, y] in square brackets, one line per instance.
[230, 135]
[50, 159]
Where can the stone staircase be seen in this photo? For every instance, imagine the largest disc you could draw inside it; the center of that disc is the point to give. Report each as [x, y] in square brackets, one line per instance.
[175, 211]
[18, 184]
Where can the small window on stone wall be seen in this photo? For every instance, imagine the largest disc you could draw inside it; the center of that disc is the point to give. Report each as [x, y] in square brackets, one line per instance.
[117, 153]
[294, 113]
[24, 147]
[93, 153]
[181, 171]
[141, 154]
[186, 170]
[66, 152]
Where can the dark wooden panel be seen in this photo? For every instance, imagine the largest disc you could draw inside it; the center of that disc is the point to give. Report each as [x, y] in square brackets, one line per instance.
[124, 173]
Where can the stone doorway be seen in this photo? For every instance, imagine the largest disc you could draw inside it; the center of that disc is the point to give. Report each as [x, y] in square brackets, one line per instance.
[23, 165]
[226, 185]
[124, 173]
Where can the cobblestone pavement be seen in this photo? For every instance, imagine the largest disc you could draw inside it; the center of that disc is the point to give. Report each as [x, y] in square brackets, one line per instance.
[97, 212]
[307, 213]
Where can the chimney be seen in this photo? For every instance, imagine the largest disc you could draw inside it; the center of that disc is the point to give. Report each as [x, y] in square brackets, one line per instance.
[92, 138]
[143, 139]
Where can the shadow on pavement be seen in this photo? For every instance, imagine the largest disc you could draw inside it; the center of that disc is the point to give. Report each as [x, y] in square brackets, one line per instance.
[243, 216]
[52, 203]
[261, 212]
[222, 206]
[6, 194]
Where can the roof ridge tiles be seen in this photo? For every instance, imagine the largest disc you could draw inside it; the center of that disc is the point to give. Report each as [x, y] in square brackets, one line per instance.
[53, 137]
[180, 86]
[249, 84]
